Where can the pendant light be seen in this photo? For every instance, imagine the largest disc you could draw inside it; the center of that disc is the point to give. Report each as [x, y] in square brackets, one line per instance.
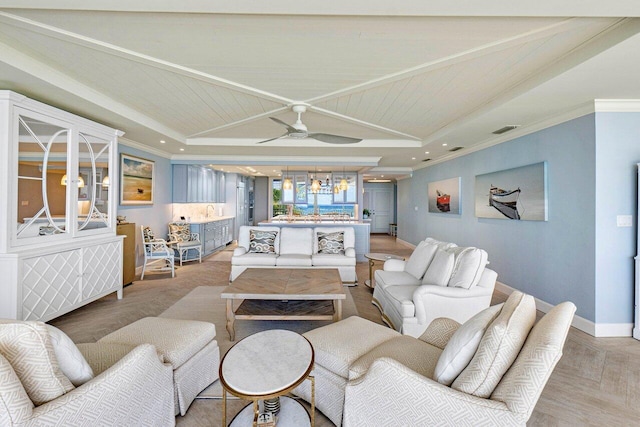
[344, 185]
[287, 184]
[63, 181]
[105, 181]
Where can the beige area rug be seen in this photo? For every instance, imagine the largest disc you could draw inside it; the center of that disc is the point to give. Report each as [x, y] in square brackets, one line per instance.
[204, 303]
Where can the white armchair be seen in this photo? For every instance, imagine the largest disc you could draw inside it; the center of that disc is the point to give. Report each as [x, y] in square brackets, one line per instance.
[156, 253]
[489, 371]
[439, 280]
[183, 241]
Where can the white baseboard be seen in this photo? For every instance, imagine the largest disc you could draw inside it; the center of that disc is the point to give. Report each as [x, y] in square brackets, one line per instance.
[405, 243]
[598, 330]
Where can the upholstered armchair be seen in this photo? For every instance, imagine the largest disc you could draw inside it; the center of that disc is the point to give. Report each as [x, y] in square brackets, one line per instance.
[440, 279]
[183, 240]
[157, 254]
[490, 370]
[121, 385]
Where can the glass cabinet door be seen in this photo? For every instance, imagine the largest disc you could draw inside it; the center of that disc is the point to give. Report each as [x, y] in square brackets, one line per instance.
[43, 180]
[94, 182]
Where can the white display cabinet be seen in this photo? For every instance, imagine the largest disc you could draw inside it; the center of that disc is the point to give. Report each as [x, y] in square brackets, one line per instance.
[58, 244]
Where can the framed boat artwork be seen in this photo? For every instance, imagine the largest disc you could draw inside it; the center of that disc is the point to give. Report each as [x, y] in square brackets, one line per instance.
[517, 194]
[136, 180]
[444, 196]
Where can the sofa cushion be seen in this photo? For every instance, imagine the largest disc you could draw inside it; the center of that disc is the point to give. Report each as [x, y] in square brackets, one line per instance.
[255, 259]
[27, 347]
[498, 347]
[348, 233]
[296, 241]
[331, 243]
[15, 405]
[441, 245]
[244, 236]
[420, 258]
[296, 260]
[71, 361]
[469, 265]
[331, 260]
[439, 270]
[394, 278]
[262, 242]
[337, 345]
[416, 355]
[401, 297]
[463, 345]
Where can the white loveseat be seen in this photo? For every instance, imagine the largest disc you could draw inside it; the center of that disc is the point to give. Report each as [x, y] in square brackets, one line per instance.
[295, 247]
[440, 279]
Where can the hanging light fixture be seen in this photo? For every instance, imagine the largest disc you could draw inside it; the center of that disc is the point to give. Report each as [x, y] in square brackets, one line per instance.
[344, 185]
[105, 181]
[315, 183]
[287, 184]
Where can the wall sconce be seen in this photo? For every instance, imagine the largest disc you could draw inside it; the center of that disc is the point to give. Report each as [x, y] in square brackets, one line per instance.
[63, 181]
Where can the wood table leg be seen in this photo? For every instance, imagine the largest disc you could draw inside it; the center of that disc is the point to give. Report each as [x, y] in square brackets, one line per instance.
[337, 310]
[231, 318]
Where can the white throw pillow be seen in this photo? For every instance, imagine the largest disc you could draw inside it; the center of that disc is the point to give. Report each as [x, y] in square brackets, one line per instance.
[70, 360]
[440, 269]
[463, 345]
[420, 259]
[27, 347]
[468, 268]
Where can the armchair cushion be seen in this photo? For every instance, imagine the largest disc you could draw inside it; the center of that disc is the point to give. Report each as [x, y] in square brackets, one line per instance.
[440, 268]
[72, 363]
[395, 278]
[463, 345]
[180, 232]
[439, 332]
[469, 265]
[15, 405]
[420, 259]
[394, 265]
[27, 347]
[498, 347]
[402, 299]
[262, 242]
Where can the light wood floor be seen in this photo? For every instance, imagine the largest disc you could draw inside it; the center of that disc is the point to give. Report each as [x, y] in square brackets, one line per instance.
[596, 383]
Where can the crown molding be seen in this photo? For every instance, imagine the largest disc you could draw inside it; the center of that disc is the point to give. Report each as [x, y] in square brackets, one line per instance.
[143, 147]
[617, 105]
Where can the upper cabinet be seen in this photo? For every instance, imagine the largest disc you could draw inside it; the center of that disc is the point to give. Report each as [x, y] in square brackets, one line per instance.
[57, 169]
[198, 184]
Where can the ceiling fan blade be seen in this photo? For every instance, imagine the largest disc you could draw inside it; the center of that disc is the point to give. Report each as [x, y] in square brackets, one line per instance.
[288, 126]
[334, 139]
[272, 139]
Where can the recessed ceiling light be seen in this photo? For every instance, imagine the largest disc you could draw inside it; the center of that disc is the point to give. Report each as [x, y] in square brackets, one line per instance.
[381, 176]
[413, 158]
[444, 145]
[426, 152]
[162, 141]
[182, 149]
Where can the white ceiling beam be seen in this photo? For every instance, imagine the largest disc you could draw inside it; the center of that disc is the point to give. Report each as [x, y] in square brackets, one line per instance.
[240, 122]
[29, 65]
[257, 160]
[541, 8]
[302, 143]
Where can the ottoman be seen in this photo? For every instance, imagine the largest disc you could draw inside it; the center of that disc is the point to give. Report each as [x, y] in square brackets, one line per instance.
[188, 345]
[336, 347]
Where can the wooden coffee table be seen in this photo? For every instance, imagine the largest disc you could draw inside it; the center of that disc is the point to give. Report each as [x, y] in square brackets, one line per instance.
[284, 294]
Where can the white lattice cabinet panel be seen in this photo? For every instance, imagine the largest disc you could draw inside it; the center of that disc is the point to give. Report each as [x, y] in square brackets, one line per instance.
[102, 269]
[50, 284]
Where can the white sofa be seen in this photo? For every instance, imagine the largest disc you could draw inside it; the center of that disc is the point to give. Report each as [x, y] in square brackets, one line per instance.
[440, 279]
[296, 248]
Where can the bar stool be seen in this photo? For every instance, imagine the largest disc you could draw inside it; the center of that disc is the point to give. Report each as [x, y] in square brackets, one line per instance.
[393, 229]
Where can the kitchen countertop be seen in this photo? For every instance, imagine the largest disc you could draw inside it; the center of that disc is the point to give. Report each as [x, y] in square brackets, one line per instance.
[210, 219]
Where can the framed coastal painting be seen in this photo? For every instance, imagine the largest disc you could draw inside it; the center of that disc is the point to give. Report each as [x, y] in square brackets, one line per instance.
[136, 180]
[444, 196]
[516, 194]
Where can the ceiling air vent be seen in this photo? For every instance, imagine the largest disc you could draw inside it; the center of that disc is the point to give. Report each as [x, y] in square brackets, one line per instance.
[426, 160]
[456, 149]
[505, 129]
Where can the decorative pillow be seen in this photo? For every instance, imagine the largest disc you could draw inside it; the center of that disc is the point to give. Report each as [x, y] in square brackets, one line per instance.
[331, 243]
[15, 405]
[72, 363]
[463, 345]
[262, 242]
[468, 268]
[27, 347]
[180, 232]
[148, 234]
[440, 269]
[420, 259]
[498, 347]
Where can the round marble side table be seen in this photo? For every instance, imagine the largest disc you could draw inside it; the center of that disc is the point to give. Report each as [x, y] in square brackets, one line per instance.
[373, 257]
[264, 366]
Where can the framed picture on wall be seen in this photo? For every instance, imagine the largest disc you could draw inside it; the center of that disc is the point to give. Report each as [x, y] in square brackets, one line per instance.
[444, 196]
[136, 180]
[518, 193]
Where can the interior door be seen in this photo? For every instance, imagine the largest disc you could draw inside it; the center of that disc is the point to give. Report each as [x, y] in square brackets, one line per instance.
[382, 210]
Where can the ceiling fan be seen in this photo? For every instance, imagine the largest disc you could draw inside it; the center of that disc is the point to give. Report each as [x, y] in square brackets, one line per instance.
[298, 130]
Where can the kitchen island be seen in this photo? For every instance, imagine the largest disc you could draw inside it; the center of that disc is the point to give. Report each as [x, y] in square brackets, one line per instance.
[361, 229]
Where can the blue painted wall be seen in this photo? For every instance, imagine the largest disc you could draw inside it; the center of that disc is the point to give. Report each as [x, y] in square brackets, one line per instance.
[617, 153]
[158, 215]
[553, 260]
